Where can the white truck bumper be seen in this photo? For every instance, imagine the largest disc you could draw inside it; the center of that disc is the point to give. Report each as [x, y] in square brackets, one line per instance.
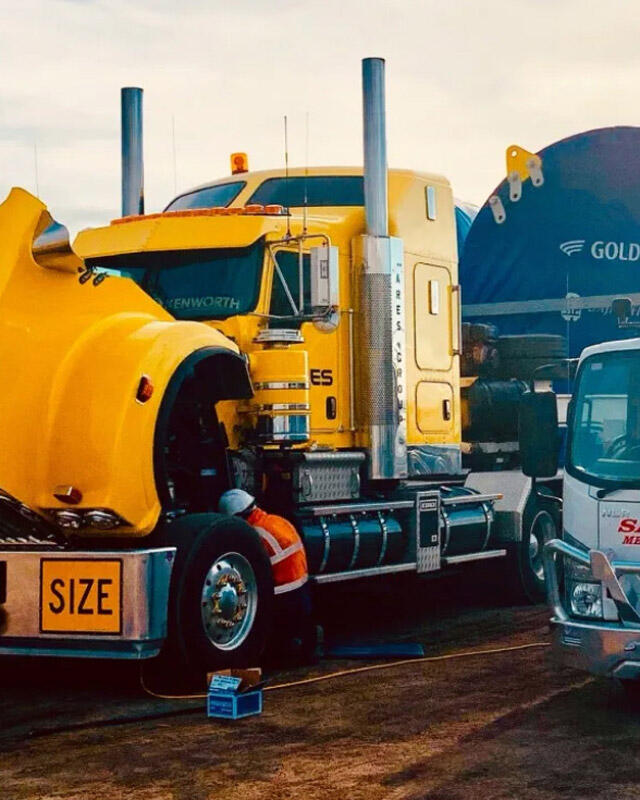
[597, 646]
[93, 604]
[600, 648]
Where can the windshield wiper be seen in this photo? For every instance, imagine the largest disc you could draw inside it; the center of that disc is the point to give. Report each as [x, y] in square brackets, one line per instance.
[604, 492]
[609, 489]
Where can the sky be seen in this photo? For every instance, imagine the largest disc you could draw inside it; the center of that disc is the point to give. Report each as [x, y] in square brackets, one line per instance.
[464, 80]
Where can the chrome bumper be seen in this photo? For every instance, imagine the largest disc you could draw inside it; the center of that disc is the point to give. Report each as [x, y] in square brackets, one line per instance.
[600, 647]
[145, 577]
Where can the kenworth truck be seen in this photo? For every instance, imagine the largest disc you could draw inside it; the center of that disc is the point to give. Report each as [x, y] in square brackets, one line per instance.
[294, 333]
[593, 572]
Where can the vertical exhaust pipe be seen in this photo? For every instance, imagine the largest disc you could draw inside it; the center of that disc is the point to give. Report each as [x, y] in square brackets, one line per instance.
[132, 160]
[381, 388]
[374, 120]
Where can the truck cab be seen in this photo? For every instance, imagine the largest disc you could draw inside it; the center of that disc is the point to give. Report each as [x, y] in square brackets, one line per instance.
[241, 254]
[594, 570]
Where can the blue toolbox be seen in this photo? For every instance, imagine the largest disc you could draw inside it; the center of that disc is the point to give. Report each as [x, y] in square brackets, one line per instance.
[233, 695]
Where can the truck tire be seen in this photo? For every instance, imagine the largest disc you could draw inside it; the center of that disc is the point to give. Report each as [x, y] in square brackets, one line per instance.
[521, 355]
[532, 345]
[221, 602]
[540, 524]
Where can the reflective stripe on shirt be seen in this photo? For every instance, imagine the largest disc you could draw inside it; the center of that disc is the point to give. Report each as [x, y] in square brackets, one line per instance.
[271, 540]
[289, 587]
[294, 548]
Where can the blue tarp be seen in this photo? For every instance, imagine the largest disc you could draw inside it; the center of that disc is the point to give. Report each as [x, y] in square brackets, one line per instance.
[578, 234]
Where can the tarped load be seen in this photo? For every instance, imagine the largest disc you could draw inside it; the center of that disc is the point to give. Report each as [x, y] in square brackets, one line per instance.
[565, 248]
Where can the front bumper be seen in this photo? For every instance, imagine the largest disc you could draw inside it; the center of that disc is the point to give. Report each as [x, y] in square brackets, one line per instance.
[610, 648]
[144, 578]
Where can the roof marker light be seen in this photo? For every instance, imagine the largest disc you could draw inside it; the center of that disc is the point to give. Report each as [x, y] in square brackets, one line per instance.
[239, 163]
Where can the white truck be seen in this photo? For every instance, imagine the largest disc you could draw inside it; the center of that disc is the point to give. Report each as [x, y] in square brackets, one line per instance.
[593, 572]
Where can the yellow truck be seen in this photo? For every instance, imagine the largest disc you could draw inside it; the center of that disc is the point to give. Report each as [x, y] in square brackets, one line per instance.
[295, 333]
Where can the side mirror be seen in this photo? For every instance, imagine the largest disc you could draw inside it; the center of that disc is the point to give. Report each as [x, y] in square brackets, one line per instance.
[325, 278]
[52, 248]
[538, 434]
[621, 308]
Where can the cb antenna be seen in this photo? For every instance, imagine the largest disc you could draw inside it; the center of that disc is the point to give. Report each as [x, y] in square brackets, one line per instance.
[286, 176]
[35, 167]
[306, 174]
[173, 147]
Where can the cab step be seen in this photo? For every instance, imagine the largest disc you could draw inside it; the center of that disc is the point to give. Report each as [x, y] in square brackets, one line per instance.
[448, 561]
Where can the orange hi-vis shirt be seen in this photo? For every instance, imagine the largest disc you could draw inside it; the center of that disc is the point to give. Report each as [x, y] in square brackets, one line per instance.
[285, 549]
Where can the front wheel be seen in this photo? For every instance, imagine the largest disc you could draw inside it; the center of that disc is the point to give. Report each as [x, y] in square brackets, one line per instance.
[222, 598]
[526, 565]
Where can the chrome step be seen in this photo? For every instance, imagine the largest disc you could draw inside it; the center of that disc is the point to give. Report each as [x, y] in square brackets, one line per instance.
[388, 569]
[481, 556]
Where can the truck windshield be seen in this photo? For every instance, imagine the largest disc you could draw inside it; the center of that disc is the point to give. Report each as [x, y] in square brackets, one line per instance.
[210, 196]
[315, 190]
[604, 438]
[196, 284]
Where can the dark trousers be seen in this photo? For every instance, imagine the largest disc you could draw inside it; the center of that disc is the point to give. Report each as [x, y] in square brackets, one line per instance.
[293, 635]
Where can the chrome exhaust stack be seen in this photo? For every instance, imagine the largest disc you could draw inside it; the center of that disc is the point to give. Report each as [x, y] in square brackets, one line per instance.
[381, 391]
[132, 160]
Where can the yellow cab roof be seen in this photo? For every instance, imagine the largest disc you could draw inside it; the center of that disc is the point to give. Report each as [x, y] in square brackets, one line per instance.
[177, 231]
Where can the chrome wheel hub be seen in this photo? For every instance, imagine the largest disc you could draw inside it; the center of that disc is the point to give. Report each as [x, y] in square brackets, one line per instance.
[229, 601]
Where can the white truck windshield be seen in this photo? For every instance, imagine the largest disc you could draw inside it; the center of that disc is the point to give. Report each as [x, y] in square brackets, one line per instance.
[604, 437]
[195, 284]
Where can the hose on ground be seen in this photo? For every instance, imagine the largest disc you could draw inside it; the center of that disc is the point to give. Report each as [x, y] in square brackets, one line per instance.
[344, 673]
[356, 670]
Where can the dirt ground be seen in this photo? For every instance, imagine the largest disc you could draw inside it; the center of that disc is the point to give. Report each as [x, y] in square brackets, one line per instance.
[501, 725]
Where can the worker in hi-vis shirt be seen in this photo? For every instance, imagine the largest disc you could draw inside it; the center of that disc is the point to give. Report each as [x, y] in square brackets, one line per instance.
[293, 628]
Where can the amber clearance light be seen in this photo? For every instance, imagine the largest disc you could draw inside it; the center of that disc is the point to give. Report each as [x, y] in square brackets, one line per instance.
[145, 389]
[216, 211]
[239, 163]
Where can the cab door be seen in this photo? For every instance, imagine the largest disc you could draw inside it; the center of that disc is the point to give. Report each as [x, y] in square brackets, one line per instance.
[435, 311]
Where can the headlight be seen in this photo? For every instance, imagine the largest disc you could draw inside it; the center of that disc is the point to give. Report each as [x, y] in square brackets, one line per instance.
[585, 599]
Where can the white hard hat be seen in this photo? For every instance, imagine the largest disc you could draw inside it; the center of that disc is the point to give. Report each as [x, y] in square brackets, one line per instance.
[235, 501]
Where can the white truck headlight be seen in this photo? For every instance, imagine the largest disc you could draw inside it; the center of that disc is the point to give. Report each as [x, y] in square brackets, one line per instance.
[585, 599]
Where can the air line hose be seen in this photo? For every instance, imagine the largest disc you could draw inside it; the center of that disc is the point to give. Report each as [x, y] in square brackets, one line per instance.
[357, 670]
[130, 719]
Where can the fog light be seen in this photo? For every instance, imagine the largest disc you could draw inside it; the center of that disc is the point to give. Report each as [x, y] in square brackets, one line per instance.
[101, 519]
[586, 599]
[68, 520]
